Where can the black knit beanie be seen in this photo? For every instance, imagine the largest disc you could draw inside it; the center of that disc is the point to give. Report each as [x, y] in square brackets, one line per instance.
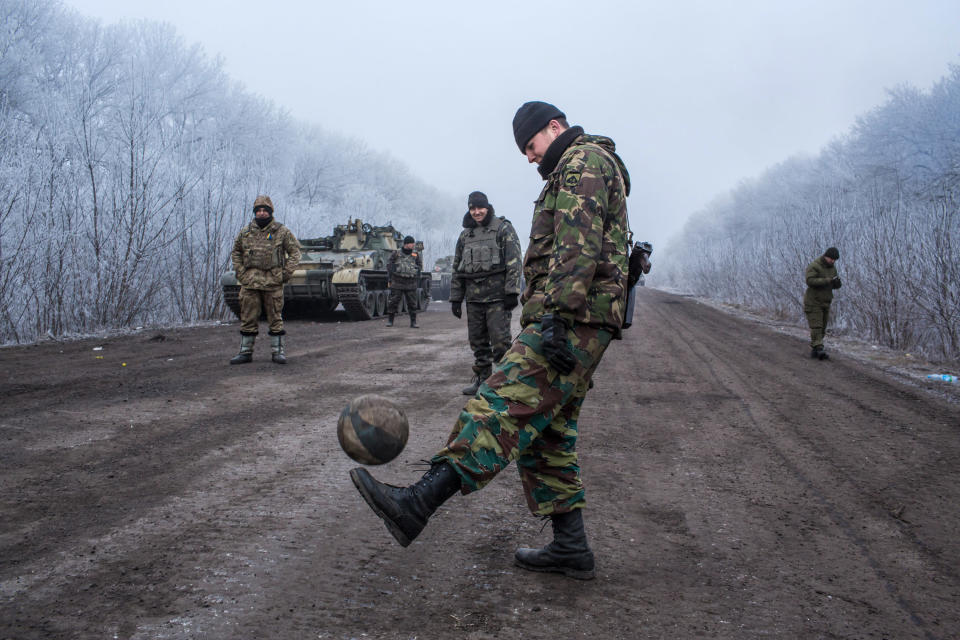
[530, 118]
[833, 253]
[478, 199]
[408, 239]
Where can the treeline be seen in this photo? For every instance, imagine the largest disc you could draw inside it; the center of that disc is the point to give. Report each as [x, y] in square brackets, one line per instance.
[129, 161]
[886, 194]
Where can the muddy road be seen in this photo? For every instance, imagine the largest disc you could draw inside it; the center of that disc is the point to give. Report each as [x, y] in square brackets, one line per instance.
[735, 488]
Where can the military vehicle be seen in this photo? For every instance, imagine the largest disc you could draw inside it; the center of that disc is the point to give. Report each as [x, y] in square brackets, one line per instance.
[442, 274]
[348, 268]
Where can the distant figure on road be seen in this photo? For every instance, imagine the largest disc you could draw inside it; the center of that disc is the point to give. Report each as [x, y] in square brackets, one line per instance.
[527, 410]
[403, 273]
[486, 273]
[821, 278]
[265, 255]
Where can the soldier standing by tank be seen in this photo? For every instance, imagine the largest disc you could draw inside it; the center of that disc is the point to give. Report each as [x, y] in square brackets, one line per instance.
[527, 410]
[403, 271]
[821, 278]
[486, 273]
[265, 254]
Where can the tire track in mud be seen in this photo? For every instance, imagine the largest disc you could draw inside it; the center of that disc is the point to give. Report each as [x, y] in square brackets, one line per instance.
[800, 458]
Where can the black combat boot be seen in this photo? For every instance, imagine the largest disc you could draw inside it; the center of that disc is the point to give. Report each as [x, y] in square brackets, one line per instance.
[478, 379]
[246, 349]
[276, 349]
[405, 510]
[567, 554]
[413, 321]
[389, 319]
[823, 354]
[815, 352]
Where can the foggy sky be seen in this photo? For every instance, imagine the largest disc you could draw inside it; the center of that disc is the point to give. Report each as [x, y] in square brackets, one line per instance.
[697, 95]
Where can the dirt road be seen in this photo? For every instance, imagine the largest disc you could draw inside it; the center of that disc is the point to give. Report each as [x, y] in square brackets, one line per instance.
[736, 489]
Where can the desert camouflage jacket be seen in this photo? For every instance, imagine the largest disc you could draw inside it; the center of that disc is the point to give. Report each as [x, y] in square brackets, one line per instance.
[503, 276]
[576, 261]
[265, 258]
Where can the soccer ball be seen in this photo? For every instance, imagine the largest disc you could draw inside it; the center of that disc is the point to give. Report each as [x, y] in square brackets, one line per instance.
[372, 429]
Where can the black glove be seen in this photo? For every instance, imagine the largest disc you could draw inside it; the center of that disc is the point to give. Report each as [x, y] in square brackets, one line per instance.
[835, 282]
[510, 301]
[457, 308]
[554, 332]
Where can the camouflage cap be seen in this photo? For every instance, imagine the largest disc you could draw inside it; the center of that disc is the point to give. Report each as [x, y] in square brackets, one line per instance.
[263, 201]
[530, 118]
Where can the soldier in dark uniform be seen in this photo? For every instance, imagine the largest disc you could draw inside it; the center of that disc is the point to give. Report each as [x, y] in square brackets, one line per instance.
[403, 269]
[527, 410]
[265, 255]
[821, 278]
[486, 273]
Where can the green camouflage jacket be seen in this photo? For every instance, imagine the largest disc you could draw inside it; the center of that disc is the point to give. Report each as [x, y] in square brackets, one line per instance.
[404, 269]
[265, 258]
[576, 262]
[503, 279]
[818, 277]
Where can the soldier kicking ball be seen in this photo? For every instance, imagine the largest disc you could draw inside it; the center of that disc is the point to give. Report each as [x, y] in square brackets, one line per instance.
[527, 410]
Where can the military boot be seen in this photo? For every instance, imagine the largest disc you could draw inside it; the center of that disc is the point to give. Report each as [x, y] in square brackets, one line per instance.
[413, 321]
[815, 352]
[567, 554]
[246, 350]
[478, 379]
[405, 510]
[389, 319]
[276, 349]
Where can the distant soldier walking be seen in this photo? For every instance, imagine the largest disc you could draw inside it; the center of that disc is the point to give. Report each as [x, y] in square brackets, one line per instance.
[527, 410]
[486, 273]
[403, 272]
[264, 256]
[821, 278]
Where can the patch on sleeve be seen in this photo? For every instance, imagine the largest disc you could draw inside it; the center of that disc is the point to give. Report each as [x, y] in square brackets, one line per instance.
[572, 179]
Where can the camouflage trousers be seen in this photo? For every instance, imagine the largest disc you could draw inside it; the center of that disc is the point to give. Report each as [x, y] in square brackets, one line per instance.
[393, 302]
[253, 302]
[526, 411]
[488, 328]
[817, 317]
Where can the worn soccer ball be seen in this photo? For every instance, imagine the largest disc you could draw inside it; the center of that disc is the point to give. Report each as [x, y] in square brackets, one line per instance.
[372, 429]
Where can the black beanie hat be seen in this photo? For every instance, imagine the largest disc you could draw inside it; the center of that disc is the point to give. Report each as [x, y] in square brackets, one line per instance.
[408, 240]
[478, 199]
[531, 117]
[833, 253]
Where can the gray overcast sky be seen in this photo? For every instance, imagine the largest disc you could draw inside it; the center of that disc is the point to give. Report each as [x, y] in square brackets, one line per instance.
[698, 95]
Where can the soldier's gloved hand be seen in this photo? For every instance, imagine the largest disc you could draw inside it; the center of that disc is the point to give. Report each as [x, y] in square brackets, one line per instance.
[457, 308]
[835, 282]
[554, 331]
[510, 301]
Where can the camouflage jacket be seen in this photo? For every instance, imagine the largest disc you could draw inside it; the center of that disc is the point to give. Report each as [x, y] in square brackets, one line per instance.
[404, 269]
[576, 261]
[818, 277]
[501, 280]
[265, 258]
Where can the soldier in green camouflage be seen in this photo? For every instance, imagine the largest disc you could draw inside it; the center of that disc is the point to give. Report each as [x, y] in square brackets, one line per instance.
[821, 278]
[486, 273]
[265, 255]
[527, 411]
[403, 271]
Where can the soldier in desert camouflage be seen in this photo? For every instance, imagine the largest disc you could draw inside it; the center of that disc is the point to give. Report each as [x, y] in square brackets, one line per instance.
[486, 274]
[576, 273]
[265, 254]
